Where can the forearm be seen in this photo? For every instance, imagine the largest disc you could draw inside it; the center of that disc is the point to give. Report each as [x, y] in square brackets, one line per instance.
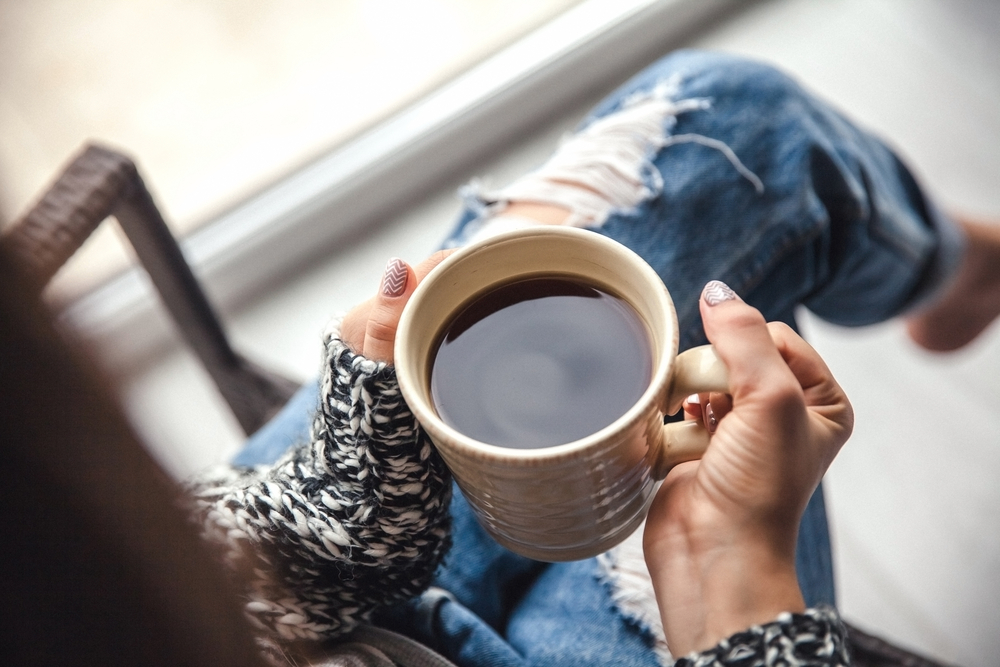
[356, 519]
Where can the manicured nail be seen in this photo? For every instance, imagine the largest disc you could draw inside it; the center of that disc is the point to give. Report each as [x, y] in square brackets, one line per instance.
[394, 279]
[712, 421]
[717, 292]
[693, 399]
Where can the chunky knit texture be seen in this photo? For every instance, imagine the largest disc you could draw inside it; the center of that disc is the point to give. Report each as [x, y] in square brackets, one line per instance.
[354, 520]
[813, 638]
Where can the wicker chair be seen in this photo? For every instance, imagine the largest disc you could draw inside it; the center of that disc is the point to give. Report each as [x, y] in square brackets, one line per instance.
[101, 183]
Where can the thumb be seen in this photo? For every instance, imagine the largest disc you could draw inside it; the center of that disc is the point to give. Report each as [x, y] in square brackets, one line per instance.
[398, 283]
[742, 340]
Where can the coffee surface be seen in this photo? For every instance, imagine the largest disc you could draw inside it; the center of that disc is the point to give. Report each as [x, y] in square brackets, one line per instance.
[540, 362]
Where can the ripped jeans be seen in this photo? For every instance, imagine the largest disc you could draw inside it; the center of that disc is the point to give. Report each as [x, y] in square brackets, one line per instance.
[745, 178]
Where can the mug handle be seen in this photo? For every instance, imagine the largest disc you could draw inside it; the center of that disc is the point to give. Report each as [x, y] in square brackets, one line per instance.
[695, 371]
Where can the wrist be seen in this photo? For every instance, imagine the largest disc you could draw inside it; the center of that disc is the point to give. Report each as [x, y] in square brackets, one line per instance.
[708, 596]
[744, 589]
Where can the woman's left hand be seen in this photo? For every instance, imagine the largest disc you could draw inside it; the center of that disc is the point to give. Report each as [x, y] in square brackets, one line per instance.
[369, 329]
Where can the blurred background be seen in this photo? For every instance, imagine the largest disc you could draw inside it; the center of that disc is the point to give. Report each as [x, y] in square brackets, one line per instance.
[296, 145]
[219, 99]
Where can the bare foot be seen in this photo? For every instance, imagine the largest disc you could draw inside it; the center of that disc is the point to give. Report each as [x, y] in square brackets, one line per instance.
[971, 302]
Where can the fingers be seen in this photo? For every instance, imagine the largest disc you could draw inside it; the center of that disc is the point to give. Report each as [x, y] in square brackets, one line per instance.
[352, 329]
[806, 365]
[424, 267]
[707, 408]
[692, 407]
[769, 364]
[369, 328]
[823, 395]
[716, 407]
[398, 282]
[743, 342]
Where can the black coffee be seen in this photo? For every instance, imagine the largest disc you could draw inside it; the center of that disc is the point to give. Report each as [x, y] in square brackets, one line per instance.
[540, 362]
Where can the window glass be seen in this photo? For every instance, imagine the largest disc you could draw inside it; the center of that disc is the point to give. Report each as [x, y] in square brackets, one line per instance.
[217, 98]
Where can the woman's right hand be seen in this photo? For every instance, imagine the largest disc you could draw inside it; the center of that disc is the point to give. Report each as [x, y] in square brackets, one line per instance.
[369, 329]
[721, 534]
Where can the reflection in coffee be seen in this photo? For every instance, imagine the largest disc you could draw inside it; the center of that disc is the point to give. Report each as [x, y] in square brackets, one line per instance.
[540, 362]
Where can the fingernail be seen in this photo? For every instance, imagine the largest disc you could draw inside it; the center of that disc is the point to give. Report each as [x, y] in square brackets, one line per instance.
[712, 421]
[394, 279]
[693, 399]
[717, 292]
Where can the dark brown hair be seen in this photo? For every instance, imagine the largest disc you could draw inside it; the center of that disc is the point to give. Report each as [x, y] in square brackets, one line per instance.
[98, 566]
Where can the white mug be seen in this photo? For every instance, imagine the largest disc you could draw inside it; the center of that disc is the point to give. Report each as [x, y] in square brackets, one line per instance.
[575, 500]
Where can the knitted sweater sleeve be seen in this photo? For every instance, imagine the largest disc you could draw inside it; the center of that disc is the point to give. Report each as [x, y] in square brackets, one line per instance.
[355, 519]
[813, 638]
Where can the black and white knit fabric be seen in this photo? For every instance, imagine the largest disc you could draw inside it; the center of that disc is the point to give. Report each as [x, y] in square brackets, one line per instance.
[352, 521]
[814, 638]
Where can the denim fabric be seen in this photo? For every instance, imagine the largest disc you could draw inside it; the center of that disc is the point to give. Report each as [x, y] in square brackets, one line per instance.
[289, 427]
[840, 227]
[502, 609]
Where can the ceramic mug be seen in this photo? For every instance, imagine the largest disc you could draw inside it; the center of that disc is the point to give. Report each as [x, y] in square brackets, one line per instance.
[576, 500]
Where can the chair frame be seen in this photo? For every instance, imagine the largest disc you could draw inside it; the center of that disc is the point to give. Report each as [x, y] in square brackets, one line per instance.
[100, 183]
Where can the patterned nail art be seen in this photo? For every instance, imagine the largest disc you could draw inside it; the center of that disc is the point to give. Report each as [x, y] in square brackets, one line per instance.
[717, 292]
[394, 279]
[712, 421]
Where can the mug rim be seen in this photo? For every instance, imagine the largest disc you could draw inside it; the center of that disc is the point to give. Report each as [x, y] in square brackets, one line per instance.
[431, 422]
